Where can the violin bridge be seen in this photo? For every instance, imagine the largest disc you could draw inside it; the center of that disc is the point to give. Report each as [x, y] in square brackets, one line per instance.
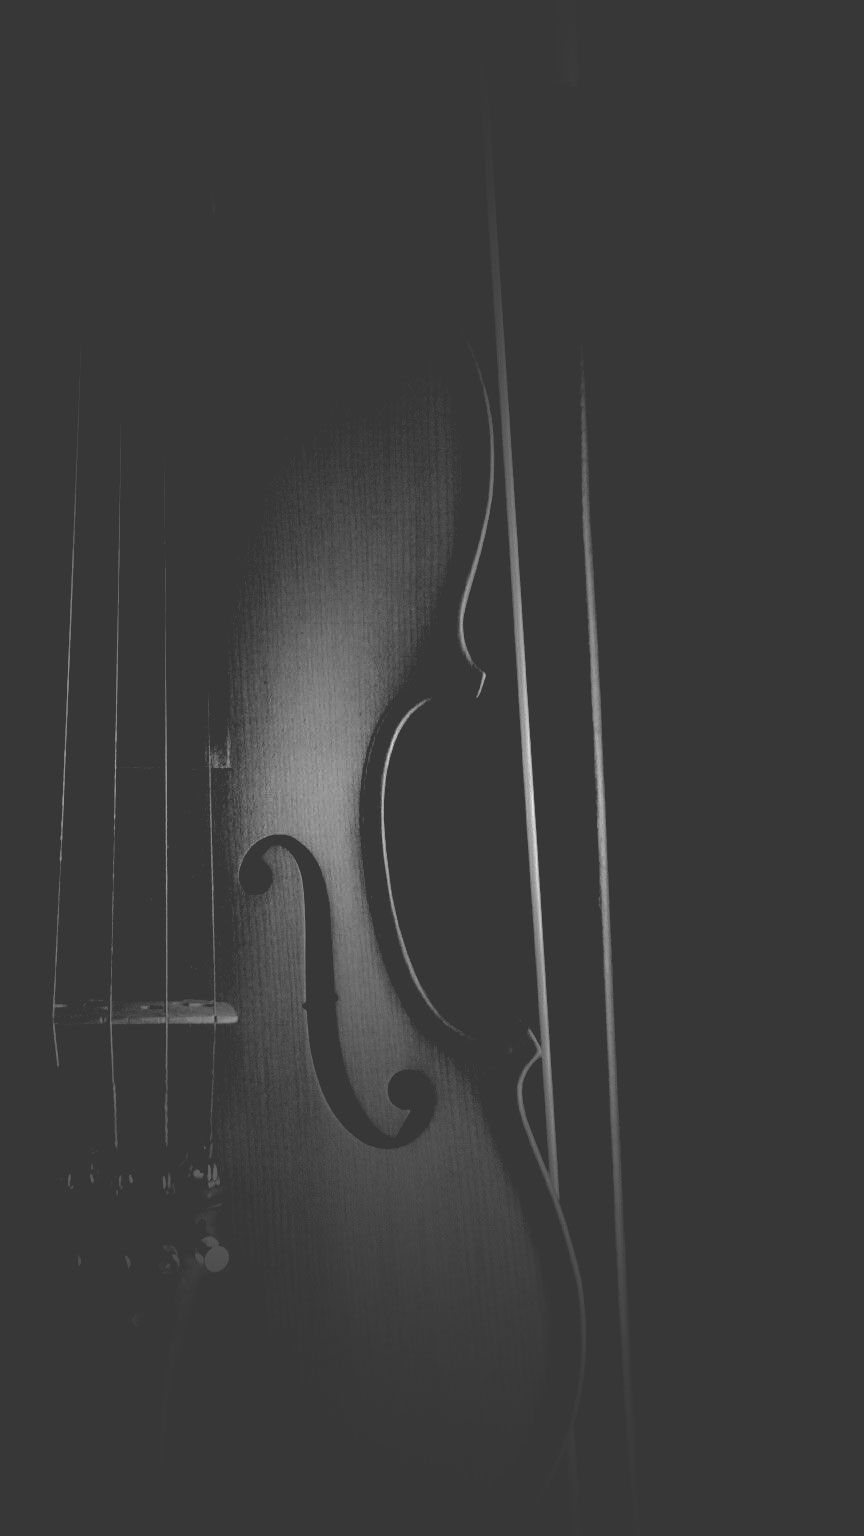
[187, 1011]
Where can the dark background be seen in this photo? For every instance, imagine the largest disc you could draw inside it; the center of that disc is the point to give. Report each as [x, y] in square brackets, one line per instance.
[682, 208]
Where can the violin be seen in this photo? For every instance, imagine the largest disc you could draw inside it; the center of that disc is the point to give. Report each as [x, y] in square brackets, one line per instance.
[316, 1270]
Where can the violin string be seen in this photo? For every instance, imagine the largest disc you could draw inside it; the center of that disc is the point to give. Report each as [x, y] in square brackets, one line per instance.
[212, 924]
[165, 779]
[54, 1036]
[114, 808]
[606, 924]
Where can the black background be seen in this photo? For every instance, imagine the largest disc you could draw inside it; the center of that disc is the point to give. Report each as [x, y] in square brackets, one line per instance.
[687, 217]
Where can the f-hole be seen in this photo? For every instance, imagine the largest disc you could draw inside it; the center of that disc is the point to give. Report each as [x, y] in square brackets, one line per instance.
[408, 1090]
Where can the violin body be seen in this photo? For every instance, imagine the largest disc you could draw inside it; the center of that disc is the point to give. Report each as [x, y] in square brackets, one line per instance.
[403, 1298]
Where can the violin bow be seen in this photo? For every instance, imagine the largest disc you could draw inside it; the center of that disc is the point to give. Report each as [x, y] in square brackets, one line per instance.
[568, 78]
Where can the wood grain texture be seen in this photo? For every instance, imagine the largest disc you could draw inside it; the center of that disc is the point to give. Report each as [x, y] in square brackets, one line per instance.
[410, 1313]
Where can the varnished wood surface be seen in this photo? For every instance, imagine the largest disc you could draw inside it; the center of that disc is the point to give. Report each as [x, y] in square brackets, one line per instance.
[410, 1292]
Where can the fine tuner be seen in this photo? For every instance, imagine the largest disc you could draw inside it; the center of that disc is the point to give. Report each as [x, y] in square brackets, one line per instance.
[128, 1228]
